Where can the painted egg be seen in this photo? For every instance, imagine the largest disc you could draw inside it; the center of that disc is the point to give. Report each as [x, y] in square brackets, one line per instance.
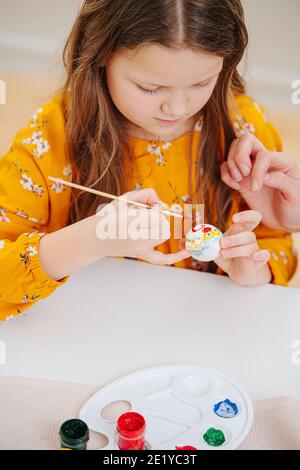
[203, 242]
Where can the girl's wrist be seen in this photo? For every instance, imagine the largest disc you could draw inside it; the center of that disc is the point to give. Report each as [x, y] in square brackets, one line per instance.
[71, 248]
[261, 277]
[98, 247]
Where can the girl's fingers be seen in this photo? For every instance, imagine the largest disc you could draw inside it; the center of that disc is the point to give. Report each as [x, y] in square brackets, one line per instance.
[227, 178]
[244, 221]
[240, 251]
[156, 257]
[145, 196]
[164, 206]
[250, 217]
[262, 256]
[242, 238]
[181, 244]
[248, 146]
[156, 233]
[152, 221]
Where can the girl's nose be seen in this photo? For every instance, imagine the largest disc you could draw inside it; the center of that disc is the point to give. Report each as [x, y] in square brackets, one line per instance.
[175, 106]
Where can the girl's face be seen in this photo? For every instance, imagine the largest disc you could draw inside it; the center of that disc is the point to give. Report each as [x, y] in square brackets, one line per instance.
[154, 82]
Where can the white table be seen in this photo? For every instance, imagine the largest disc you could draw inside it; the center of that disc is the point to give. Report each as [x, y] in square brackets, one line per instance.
[121, 315]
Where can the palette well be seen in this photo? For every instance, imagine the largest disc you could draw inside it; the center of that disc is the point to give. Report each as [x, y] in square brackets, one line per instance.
[182, 405]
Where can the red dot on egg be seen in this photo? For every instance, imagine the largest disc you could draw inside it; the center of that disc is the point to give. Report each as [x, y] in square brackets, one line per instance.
[197, 228]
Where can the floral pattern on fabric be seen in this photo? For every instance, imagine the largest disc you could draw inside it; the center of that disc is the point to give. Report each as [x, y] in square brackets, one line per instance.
[41, 145]
[3, 216]
[28, 197]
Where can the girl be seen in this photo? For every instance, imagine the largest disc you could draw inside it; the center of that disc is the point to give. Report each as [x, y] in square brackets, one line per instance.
[132, 67]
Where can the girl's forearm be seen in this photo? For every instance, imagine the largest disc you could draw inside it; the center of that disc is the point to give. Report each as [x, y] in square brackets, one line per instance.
[71, 248]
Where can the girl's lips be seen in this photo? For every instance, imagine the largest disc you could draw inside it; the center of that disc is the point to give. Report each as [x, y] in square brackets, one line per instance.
[168, 120]
[165, 121]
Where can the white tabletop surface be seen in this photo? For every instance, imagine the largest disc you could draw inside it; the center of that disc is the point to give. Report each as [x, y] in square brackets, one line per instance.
[119, 315]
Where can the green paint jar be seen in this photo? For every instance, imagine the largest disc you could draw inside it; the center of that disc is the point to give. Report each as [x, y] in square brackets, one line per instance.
[74, 435]
[214, 437]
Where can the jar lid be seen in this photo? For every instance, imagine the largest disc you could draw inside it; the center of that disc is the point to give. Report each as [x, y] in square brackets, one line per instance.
[74, 431]
[131, 424]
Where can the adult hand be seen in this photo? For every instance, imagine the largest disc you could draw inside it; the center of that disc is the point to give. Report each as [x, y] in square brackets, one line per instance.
[269, 182]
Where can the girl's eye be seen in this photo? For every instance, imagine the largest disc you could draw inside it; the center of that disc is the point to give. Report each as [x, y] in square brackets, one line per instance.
[148, 91]
[204, 84]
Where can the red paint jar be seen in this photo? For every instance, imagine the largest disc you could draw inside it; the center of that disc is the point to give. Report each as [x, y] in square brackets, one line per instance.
[131, 428]
[186, 448]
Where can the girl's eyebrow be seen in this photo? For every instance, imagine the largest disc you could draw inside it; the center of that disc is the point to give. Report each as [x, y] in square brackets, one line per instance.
[153, 84]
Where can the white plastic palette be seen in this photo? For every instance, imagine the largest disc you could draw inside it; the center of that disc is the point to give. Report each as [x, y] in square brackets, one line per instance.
[178, 405]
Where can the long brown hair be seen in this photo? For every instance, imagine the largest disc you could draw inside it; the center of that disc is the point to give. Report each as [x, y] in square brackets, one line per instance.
[95, 128]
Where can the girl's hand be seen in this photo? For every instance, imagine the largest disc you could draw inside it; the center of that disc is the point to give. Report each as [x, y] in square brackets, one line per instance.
[131, 231]
[268, 181]
[240, 256]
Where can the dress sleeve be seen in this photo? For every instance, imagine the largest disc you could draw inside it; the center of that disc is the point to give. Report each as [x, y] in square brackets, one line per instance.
[283, 261]
[24, 213]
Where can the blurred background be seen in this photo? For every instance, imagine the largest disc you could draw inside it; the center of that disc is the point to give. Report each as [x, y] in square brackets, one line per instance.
[33, 33]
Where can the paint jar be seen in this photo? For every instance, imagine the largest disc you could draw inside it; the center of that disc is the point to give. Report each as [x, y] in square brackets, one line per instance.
[185, 448]
[130, 431]
[74, 435]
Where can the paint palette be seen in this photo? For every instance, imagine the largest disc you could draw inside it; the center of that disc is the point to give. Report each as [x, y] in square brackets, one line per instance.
[182, 405]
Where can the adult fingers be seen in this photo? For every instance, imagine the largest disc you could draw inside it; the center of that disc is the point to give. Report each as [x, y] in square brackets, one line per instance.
[227, 178]
[247, 146]
[277, 161]
[288, 187]
[231, 162]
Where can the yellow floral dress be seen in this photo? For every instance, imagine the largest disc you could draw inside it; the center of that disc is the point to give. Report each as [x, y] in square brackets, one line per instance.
[31, 205]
